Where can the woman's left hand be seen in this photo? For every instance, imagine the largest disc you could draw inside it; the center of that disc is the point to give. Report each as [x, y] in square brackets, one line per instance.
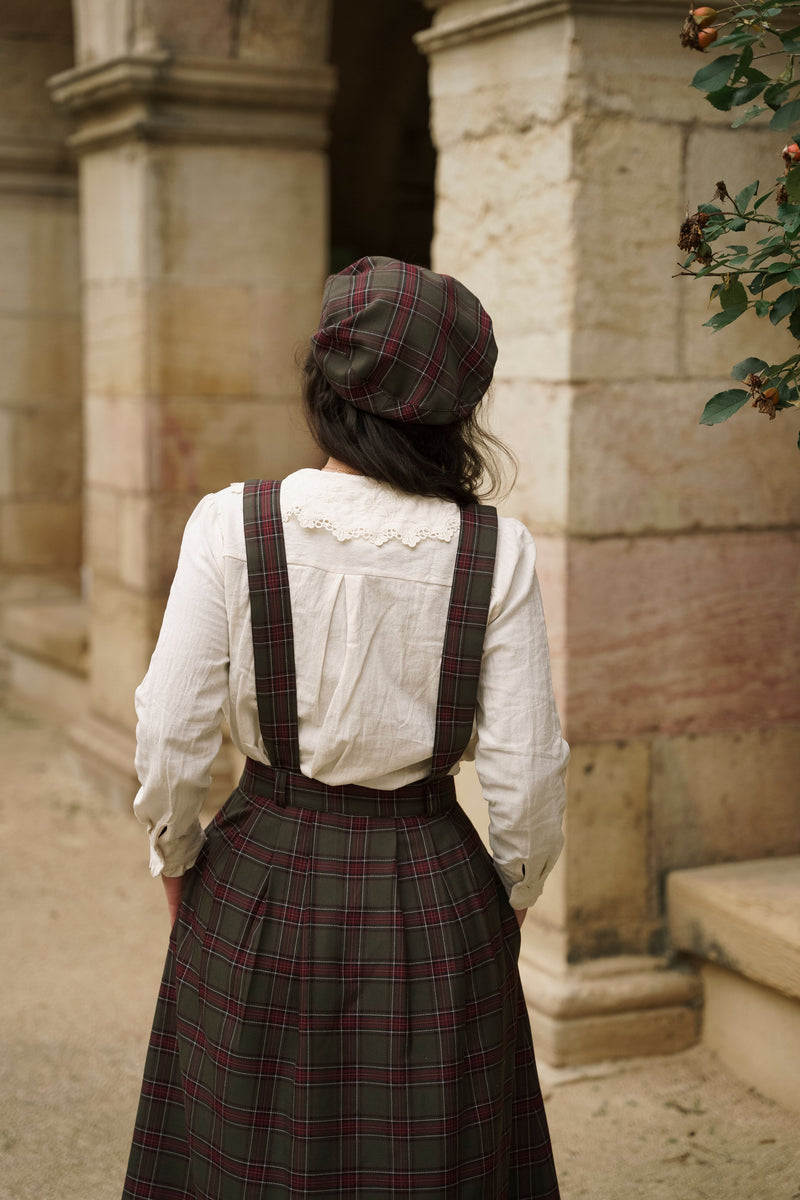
[173, 886]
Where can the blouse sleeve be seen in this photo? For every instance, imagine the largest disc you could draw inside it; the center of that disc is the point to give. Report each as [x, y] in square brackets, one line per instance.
[520, 755]
[181, 701]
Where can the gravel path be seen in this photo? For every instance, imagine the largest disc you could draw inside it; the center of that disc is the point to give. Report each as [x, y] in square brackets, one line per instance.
[83, 938]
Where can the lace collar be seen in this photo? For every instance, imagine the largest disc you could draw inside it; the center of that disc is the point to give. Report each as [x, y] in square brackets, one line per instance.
[353, 506]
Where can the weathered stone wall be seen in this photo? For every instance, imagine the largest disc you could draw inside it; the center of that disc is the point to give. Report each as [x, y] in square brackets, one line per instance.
[40, 385]
[569, 145]
[201, 131]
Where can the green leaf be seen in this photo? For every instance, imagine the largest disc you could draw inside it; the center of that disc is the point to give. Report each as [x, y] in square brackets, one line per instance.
[752, 75]
[743, 95]
[762, 200]
[784, 304]
[726, 317]
[775, 94]
[748, 366]
[772, 249]
[737, 225]
[723, 98]
[789, 35]
[749, 115]
[743, 198]
[786, 211]
[733, 295]
[794, 323]
[793, 276]
[786, 115]
[745, 59]
[779, 268]
[716, 74]
[739, 37]
[724, 405]
[761, 307]
[791, 47]
[792, 182]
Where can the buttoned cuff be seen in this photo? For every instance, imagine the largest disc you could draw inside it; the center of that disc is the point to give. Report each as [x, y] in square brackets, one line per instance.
[174, 856]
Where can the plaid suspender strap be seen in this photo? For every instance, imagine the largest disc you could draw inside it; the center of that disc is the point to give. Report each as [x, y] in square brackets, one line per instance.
[273, 643]
[271, 615]
[463, 642]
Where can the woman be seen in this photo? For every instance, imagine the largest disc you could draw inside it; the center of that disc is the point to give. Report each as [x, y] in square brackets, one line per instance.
[341, 1013]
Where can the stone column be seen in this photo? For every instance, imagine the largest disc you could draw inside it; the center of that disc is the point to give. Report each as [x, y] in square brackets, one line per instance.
[40, 415]
[569, 144]
[201, 135]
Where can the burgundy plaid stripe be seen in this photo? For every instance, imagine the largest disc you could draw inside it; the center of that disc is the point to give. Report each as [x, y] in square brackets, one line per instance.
[464, 636]
[271, 613]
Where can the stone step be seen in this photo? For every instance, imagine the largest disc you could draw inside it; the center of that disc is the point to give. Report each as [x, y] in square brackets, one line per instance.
[742, 922]
[52, 629]
[45, 634]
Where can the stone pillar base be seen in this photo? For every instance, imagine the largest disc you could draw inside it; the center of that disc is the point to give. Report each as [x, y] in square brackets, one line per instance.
[105, 753]
[621, 1007]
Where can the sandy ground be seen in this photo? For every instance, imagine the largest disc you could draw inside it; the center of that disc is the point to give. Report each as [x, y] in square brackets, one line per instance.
[84, 933]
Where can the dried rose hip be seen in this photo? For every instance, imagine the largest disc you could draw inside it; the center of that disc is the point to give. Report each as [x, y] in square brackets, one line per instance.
[704, 16]
[706, 36]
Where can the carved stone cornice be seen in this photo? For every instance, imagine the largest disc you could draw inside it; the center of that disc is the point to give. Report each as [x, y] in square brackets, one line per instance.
[155, 97]
[37, 166]
[516, 14]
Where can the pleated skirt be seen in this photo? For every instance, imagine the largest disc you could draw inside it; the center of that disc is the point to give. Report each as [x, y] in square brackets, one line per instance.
[341, 1016]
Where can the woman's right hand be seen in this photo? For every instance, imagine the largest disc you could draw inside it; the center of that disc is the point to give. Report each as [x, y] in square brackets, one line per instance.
[173, 886]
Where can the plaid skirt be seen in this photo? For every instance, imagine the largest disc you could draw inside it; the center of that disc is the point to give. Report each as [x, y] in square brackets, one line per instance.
[341, 1016]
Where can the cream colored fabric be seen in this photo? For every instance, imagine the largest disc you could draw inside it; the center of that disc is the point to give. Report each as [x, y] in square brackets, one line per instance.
[370, 571]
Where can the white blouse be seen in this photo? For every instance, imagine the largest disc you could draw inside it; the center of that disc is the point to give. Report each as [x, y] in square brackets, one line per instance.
[370, 571]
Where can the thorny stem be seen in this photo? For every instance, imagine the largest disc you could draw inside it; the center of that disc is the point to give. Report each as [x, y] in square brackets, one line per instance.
[703, 274]
[744, 217]
[710, 274]
[769, 54]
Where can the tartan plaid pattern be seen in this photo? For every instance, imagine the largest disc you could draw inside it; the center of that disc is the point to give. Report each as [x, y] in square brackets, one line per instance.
[427, 797]
[463, 643]
[271, 620]
[341, 1013]
[403, 342]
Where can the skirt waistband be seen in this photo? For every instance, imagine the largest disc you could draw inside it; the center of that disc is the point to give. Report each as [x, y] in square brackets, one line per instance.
[289, 788]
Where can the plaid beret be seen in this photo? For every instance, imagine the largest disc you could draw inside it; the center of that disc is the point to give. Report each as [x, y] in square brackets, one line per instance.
[403, 342]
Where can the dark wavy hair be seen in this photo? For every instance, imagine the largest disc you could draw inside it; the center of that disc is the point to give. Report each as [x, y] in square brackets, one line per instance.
[461, 462]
